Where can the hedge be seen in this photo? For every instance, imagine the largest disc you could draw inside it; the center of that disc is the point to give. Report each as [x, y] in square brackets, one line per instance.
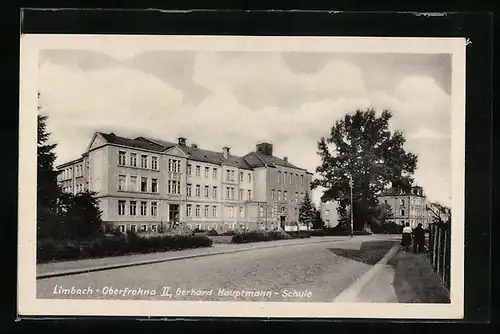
[256, 236]
[299, 234]
[54, 250]
[335, 232]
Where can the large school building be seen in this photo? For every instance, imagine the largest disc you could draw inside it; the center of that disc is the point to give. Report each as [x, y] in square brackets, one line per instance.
[144, 183]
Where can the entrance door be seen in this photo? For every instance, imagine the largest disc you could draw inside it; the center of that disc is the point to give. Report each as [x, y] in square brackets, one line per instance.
[173, 214]
[282, 222]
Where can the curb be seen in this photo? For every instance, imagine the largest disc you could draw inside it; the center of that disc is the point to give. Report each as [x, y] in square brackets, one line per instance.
[350, 294]
[182, 257]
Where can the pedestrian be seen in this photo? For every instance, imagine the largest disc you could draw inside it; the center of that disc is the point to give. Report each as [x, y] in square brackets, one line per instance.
[406, 238]
[418, 239]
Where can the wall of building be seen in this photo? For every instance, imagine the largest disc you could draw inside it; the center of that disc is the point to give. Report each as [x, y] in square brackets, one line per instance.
[329, 213]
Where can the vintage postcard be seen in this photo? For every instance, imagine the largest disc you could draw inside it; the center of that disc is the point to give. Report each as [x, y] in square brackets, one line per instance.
[289, 177]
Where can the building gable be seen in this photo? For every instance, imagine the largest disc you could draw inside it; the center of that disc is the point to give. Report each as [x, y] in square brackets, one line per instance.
[97, 141]
[176, 151]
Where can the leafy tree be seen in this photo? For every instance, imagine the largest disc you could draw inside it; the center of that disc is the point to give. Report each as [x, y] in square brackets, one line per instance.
[384, 213]
[318, 223]
[362, 146]
[48, 191]
[439, 213]
[307, 211]
[83, 216]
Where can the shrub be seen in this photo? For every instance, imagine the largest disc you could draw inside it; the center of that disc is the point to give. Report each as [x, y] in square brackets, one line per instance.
[230, 232]
[258, 236]
[54, 250]
[299, 234]
[317, 233]
[213, 233]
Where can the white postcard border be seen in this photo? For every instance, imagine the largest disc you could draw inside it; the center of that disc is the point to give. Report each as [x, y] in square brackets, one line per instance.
[29, 305]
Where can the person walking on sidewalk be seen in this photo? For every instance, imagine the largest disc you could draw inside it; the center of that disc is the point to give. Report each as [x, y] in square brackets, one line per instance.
[406, 238]
[418, 239]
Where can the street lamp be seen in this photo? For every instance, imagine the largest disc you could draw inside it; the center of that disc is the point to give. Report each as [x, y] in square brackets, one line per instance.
[352, 208]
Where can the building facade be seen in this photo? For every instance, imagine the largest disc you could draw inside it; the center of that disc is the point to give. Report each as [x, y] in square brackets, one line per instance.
[407, 207]
[143, 184]
[328, 212]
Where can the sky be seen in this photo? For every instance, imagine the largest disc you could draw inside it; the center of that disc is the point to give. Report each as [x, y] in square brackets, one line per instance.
[239, 99]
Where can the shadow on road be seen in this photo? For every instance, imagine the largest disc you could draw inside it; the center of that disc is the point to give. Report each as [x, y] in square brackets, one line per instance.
[370, 252]
[414, 280]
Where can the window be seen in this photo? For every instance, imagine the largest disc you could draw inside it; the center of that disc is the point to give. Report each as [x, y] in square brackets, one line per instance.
[296, 197]
[133, 159]
[154, 185]
[249, 177]
[214, 211]
[133, 208]
[232, 175]
[385, 201]
[144, 161]
[241, 212]
[207, 171]
[153, 228]
[290, 178]
[121, 208]
[272, 194]
[231, 212]
[144, 228]
[154, 209]
[241, 176]
[121, 158]
[205, 212]
[279, 195]
[121, 182]
[144, 208]
[285, 175]
[285, 195]
[227, 192]
[249, 195]
[198, 169]
[175, 166]
[206, 191]
[133, 228]
[198, 190]
[302, 180]
[189, 169]
[188, 210]
[121, 228]
[197, 212]
[327, 212]
[188, 189]
[327, 222]
[279, 177]
[228, 175]
[174, 187]
[296, 179]
[402, 201]
[214, 194]
[214, 172]
[178, 166]
[154, 163]
[402, 212]
[241, 194]
[133, 183]
[144, 184]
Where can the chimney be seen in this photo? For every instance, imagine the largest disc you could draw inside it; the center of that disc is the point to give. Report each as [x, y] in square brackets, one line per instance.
[285, 159]
[181, 141]
[225, 152]
[265, 148]
[194, 146]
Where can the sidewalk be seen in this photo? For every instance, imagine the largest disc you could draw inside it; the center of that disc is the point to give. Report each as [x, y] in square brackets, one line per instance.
[406, 278]
[62, 268]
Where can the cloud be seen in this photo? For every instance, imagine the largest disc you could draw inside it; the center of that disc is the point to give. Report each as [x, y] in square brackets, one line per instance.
[246, 98]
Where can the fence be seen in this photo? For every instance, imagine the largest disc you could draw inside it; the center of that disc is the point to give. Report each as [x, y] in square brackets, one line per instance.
[440, 251]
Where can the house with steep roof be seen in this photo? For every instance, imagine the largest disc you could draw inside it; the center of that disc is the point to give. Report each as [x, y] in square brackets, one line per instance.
[407, 206]
[143, 184]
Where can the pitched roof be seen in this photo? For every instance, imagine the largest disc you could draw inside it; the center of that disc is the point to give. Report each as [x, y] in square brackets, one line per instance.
[138, 143]
[258, 159]
[393, 191]
[249, 161]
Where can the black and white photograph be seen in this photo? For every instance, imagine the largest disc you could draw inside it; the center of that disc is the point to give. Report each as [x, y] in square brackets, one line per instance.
[242, 176]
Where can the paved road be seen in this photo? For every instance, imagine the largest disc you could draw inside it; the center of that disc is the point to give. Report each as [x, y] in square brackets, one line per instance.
[314, 272]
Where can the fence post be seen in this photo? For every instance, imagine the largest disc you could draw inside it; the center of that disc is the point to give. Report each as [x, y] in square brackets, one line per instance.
[443, 274]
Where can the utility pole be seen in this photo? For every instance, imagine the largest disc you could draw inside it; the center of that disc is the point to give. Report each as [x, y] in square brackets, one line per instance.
[352, 208]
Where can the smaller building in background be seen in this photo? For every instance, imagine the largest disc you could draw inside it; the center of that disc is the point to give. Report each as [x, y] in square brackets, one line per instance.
[407, 207]
[329, 213]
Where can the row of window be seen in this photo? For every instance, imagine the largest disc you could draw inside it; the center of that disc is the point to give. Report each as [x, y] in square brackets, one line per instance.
[144, 228]
[133, 208]
[198, 171]
[70, 172]
[295, 199]
[290, 178]
[145, 161]
[146, 184]
[206, 211]
[78, 188]
[197, 188]
[231, 194]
